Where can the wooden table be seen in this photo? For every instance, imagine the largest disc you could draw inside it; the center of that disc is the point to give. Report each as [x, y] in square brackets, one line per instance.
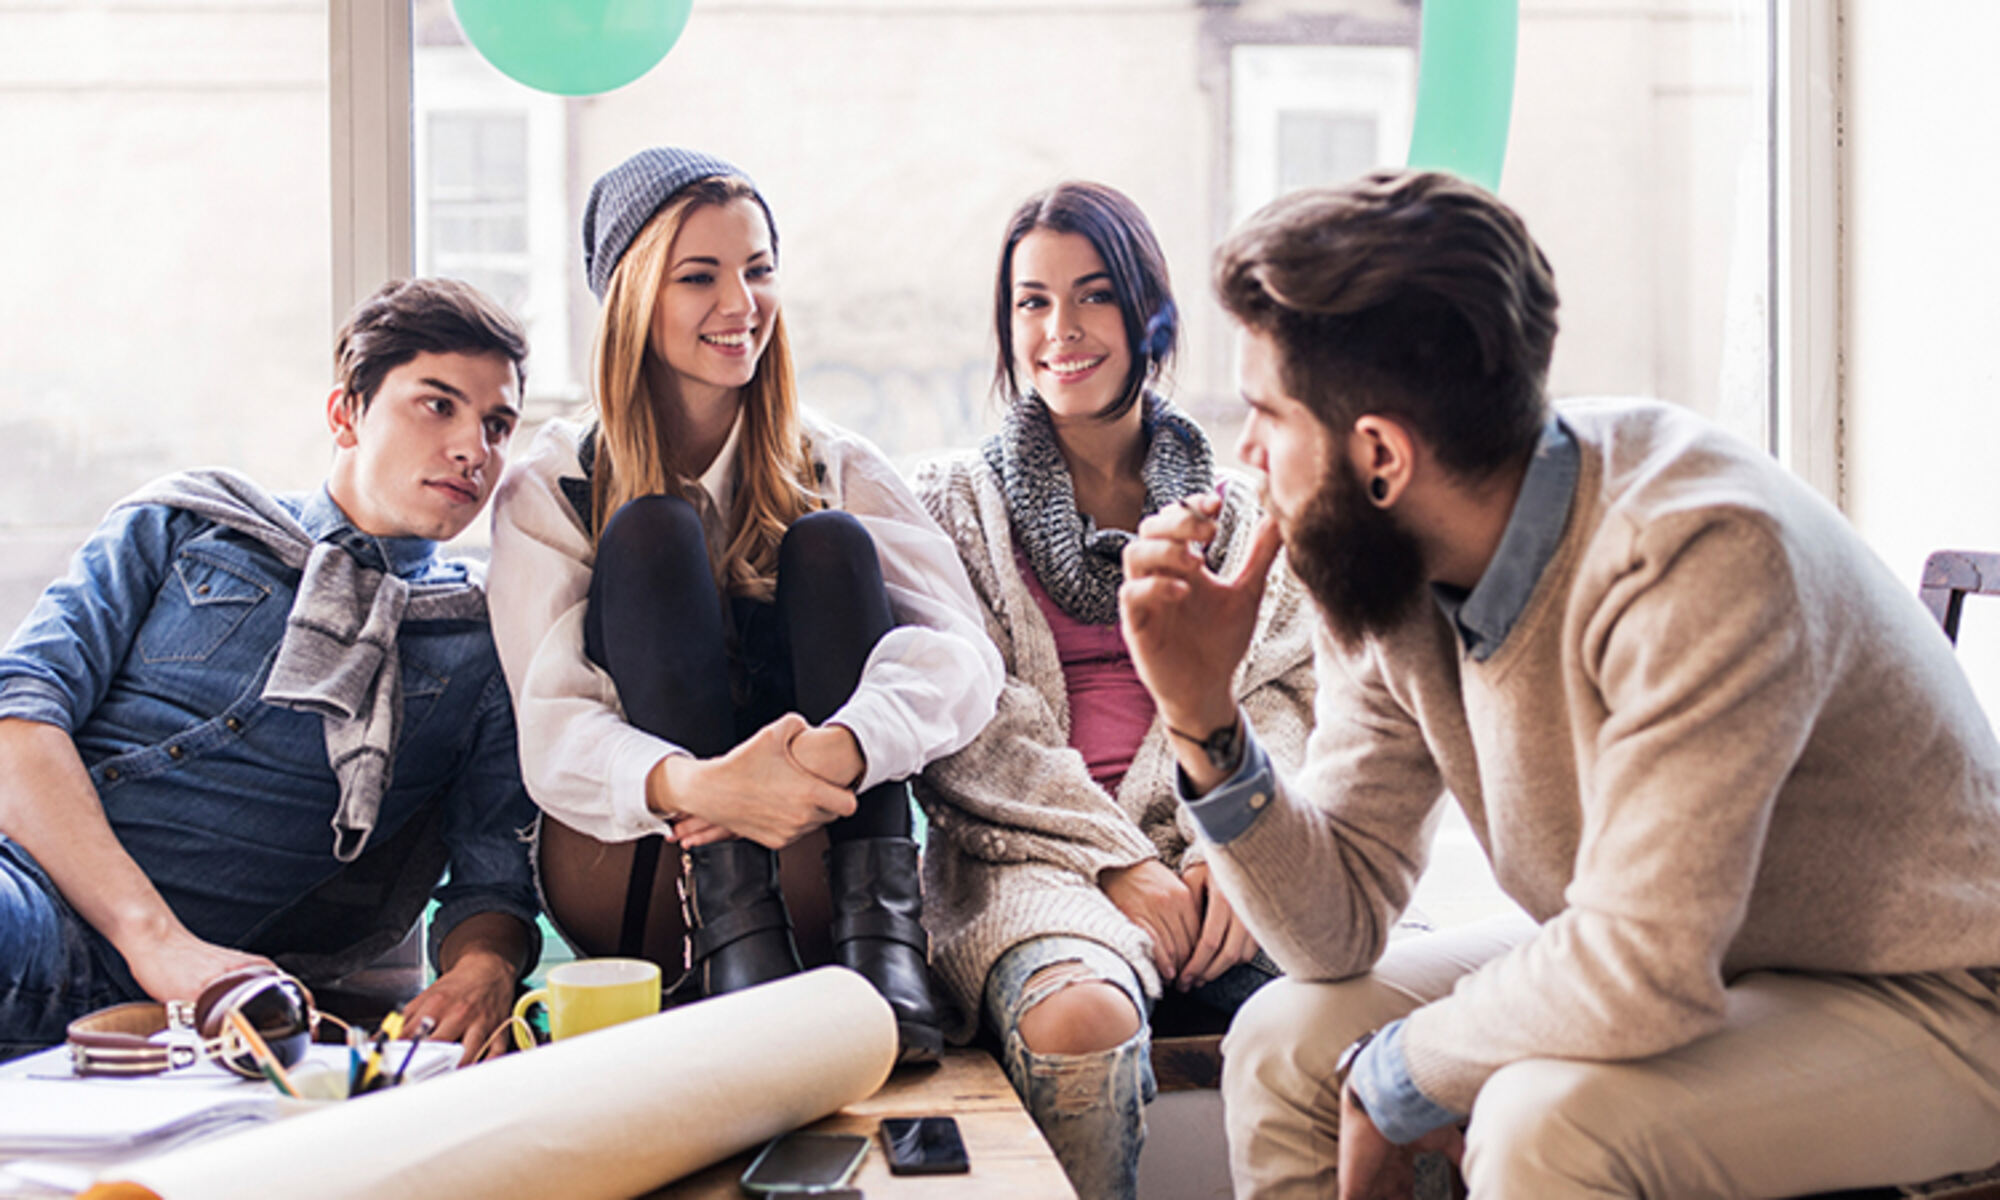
[1010, 1160]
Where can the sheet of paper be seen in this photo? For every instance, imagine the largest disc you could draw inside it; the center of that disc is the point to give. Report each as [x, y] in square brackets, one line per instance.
[39, 1116]
[46, 1108]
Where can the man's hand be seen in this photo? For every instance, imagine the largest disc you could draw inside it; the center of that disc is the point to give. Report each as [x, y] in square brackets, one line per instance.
[481, 958]
[759, 790]
[1374, 1168]
[1187, 627]
[468, 1003]
[1158, 902]
[179, 965]
[1225, 941]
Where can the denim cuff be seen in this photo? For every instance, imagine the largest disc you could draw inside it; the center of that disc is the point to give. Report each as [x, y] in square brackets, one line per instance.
[1228, 811]
[1381, 1081]
[449, 915]
[33, 699]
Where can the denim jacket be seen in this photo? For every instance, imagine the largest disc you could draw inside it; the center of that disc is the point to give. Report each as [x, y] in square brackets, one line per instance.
[153, 652]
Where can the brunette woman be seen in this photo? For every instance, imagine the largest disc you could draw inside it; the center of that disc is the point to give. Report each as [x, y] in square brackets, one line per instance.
[1065, 887]
[726, 623]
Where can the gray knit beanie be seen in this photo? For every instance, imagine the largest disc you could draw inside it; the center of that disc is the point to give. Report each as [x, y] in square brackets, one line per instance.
[626, 197]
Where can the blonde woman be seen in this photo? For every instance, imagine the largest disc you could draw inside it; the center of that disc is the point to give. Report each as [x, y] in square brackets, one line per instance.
[727, 624]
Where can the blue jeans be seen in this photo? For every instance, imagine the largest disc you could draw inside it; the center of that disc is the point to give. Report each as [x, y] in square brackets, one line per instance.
[54, 967]
[1092, 1107]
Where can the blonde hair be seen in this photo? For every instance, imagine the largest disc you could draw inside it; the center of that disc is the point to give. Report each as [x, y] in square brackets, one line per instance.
[638, 452]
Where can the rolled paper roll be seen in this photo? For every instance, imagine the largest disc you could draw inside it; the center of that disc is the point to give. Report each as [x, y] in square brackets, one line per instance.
[611, 1114]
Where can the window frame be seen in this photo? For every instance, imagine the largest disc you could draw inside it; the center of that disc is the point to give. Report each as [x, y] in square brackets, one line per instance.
[1807, 332]
[369, 104]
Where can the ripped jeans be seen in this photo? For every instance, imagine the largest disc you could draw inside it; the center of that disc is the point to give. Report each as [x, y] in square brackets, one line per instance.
[1091, 1107]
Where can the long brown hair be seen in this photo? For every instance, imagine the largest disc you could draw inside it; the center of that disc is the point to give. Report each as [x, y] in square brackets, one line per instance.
[1123, 238]
[640, 439]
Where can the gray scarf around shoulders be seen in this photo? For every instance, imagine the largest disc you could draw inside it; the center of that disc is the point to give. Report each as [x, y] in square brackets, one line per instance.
[1080, 565]
[338, 657]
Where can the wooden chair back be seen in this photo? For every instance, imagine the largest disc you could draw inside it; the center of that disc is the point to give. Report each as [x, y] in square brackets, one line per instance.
[1952, 575]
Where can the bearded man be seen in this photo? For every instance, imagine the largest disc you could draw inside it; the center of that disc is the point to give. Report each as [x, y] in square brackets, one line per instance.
[1722, 758]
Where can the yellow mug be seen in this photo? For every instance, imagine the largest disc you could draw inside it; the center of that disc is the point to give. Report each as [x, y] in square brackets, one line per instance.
[589, 994]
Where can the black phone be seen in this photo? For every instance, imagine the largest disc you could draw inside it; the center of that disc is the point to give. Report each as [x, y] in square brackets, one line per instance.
[805, 1162]
[924, 1146]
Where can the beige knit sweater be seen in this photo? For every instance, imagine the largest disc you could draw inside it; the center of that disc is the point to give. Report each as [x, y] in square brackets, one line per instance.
[1721, 737]
[1019, 830]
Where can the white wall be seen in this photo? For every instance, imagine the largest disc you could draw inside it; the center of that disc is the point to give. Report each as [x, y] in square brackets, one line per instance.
[164, 258]
[1922, 257]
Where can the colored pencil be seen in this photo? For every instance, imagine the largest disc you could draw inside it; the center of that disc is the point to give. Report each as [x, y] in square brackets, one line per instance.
[423, 1030]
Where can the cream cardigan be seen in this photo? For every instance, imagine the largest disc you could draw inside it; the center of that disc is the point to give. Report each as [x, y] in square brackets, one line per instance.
[1019, 830]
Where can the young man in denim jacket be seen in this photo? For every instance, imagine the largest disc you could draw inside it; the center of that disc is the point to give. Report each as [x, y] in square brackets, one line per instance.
[248, 726]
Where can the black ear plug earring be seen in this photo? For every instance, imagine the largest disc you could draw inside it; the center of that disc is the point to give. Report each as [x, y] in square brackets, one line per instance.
[1378, 487]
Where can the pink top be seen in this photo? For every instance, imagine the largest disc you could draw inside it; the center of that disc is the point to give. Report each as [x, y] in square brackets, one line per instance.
[1109, 709]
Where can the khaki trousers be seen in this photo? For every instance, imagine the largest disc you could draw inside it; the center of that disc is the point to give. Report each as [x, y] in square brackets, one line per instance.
[1817, 1083]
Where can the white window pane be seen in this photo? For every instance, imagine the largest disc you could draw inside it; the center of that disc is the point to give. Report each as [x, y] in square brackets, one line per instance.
[1316, 148]
[490, 207]
[481, 155]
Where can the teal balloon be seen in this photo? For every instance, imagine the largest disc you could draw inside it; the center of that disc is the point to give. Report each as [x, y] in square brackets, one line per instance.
[1465, 87]
[573, 47]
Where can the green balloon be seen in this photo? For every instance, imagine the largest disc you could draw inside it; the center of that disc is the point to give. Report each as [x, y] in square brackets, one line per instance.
[1465, 88]
[573, 47]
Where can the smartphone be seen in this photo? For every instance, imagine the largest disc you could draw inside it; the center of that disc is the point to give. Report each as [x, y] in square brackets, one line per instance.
[805, 1162]
[924, 1146]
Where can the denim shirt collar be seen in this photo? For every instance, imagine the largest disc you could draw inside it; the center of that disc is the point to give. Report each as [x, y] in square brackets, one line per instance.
[405, 557]
[1485, 615]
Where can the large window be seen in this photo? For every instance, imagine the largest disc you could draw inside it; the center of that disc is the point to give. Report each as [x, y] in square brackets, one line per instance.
[894, 147]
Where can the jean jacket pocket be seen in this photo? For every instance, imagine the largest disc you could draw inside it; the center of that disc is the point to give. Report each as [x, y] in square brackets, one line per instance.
[200, 605]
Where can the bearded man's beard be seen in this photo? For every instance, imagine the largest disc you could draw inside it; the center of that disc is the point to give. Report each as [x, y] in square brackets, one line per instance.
[1361, 567]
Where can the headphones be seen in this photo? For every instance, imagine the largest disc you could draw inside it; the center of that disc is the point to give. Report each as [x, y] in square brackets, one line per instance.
[119, 1040]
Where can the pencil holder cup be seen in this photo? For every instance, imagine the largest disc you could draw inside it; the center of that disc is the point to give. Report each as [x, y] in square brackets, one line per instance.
[591, 994]
[317, 1089]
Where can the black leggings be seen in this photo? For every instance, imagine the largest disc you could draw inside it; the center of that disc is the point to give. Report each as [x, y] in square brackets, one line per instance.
[655, 624]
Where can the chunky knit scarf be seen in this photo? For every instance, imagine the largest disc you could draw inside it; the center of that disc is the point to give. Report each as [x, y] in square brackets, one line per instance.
[1079, 564]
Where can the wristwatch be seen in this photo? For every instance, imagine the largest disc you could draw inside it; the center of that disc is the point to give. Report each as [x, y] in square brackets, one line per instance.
[1344, 1065]
[1224, 747]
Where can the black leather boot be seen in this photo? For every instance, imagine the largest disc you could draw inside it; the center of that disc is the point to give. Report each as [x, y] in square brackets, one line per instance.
[878, 930]
[738, 929]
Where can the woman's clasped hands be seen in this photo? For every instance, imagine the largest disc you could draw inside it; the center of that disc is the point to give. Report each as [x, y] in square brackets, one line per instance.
[1196, 935]
[773, 788]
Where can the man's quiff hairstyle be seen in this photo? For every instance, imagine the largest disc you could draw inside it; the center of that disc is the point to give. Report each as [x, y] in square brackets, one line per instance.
[1408, 294]
[408, 317]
